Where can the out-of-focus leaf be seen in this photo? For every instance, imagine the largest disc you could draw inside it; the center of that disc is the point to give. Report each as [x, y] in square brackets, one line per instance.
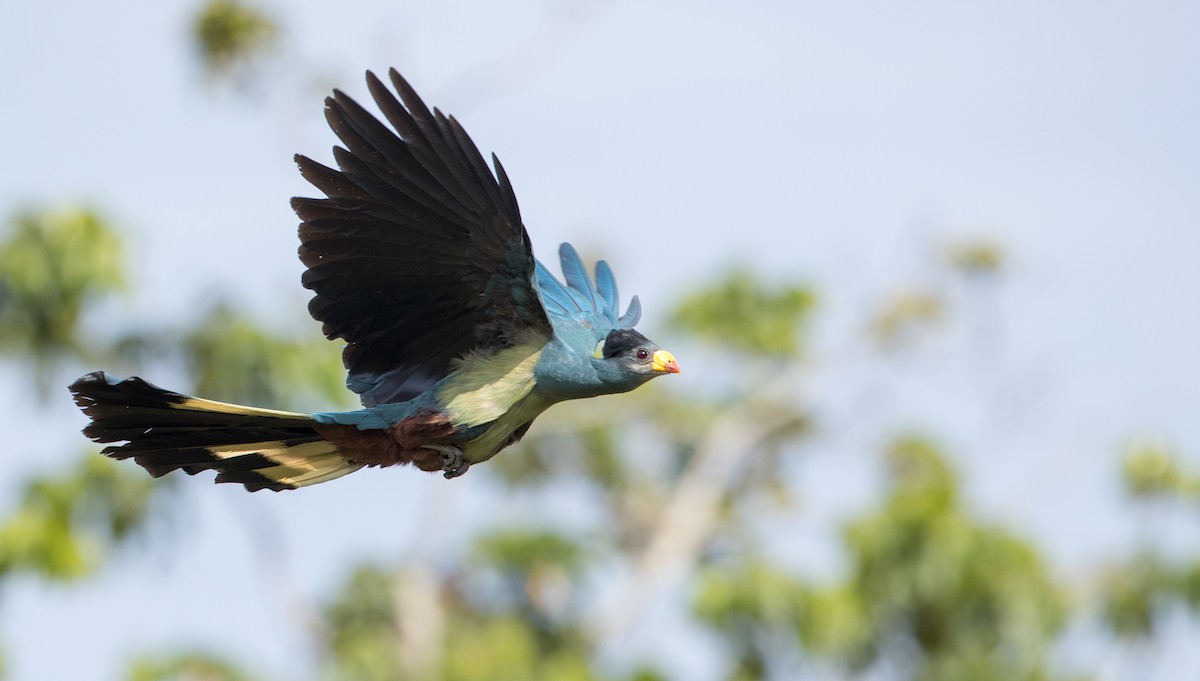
[1131, 594]
[53, 263]
[976, 258]
[745, 314]
[646, 674]
[1149, 469]
[229, 33]
[506, 648]
[917, 471]
[190, 666]
[1187, 585]
[923, 573]
[362, 627]
[519, 551]
[530, 463]
[928, 570]
[987, 665]
[539, 567]
[904, 313]
[481, 644]
[748, 601]
[234, 359]
[756, 603]
[66, 523]
[602, 462]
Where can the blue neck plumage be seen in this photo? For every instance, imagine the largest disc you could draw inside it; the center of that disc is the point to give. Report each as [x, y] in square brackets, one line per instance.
[564, 373]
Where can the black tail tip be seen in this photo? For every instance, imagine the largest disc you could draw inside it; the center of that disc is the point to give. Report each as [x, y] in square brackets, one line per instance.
[98, 390]
[84, 389]
[88, 379]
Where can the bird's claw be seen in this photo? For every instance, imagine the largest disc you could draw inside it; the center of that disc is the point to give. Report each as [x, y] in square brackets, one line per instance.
[454, 463]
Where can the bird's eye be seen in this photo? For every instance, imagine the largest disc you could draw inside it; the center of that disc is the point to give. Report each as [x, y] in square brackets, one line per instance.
[642, 354]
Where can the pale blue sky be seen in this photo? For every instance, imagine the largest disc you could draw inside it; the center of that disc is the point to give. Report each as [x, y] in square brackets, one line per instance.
[834, 143]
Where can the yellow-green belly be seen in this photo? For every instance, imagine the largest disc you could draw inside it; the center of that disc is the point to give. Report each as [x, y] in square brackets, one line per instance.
[495, 390]
[487, 445]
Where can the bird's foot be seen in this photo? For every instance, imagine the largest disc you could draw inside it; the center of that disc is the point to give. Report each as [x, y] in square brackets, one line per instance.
[454, 463]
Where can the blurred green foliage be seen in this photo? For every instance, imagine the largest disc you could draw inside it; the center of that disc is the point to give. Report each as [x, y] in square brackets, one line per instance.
[748, 315]
[64, 524]
[230, 33]
[53, 264]
[361, 628]
[1151, 470]
[904, 313]
[964, 598]
[759, 608]
[976, 258]
[1136, 593]
[969, 594]
[519, 553]
[192, 666]
[1132, 594]
[454, 630]
[234, 358]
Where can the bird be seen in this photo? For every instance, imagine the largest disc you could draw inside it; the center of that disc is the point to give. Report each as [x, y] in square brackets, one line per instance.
[456, 336]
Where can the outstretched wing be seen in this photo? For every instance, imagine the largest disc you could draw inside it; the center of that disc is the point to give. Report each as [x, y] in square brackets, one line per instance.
[418, 254]
[581, 300]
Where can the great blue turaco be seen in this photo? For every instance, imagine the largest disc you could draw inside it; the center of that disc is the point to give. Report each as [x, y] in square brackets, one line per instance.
[456, 337]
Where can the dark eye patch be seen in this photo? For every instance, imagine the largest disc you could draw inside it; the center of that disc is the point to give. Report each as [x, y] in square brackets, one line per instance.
[622, 340]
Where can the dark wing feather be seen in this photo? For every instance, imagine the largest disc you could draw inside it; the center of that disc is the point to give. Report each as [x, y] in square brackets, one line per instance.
[418, 254]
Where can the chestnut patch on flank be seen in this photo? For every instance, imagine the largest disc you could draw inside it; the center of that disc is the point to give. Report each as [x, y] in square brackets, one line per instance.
[370, 447]
[400, 444]
[424, 427]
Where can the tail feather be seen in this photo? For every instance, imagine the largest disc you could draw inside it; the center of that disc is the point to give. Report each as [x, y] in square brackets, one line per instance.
[164, 431]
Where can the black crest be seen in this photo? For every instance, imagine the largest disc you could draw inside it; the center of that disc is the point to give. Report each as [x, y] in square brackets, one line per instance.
[622, 340]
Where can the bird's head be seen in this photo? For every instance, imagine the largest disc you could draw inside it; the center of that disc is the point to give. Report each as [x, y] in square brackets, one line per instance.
[626, 359]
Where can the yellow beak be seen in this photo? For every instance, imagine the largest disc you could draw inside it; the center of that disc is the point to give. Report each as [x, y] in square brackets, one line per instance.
[664, 363]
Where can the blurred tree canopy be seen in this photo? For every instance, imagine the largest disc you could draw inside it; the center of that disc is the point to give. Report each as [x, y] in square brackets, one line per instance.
[232, 36]
[56, 262]
[930, 590]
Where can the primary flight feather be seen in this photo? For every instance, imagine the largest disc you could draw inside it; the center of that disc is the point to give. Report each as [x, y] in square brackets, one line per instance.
[456, 337]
